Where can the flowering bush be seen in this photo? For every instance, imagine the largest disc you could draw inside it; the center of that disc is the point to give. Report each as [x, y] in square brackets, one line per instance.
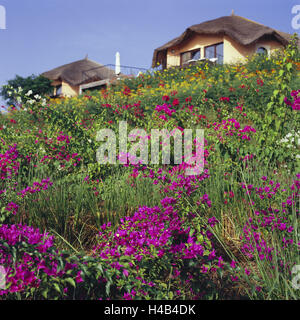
[296, 103]
[9, 195]
[150, 231]
[159, 245]
[35, 269]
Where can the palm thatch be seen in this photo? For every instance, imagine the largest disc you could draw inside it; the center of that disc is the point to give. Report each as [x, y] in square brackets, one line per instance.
[80, 72]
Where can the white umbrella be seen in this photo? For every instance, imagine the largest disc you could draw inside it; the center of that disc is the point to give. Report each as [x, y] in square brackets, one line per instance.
[118, 64]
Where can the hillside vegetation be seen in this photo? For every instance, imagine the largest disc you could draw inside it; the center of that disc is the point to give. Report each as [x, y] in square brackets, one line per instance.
[71, 228]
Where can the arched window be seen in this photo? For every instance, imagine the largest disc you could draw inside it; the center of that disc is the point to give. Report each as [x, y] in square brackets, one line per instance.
[261, 50]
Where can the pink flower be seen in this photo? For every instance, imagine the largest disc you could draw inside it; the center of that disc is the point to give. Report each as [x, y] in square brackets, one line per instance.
[78, 277]
[126, 273]
[233, 264]
[127, 296]
[163, 117]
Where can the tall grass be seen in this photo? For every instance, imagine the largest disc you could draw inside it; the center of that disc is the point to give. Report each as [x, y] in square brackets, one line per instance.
[276, 276]
[75, 209]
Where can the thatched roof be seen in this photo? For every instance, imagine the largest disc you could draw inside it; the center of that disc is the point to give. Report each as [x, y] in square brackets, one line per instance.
[79, 72]
[240, 29]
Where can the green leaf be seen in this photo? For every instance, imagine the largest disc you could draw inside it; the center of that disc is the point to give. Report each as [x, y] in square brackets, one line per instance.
[277, 124]
[71, 282]
[191, 232]
[107, 288]
[45, 293]
[164, 285]
[281, 99]
[289, 66]
[57, 287]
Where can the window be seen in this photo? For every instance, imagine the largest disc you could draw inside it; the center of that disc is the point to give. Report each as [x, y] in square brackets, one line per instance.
[190, 55]
[215, 51]
[58, 90]
[196, 55]
[261, 50]
[185, 57]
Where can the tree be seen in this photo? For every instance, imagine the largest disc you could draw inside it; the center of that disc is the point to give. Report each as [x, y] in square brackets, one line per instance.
[38, 84]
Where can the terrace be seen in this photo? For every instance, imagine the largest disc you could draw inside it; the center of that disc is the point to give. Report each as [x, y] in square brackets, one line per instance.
[110, 73]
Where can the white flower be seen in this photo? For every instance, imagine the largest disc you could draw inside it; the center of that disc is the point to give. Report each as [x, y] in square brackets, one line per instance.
[290, 137]
[37, 97]
[28, 93]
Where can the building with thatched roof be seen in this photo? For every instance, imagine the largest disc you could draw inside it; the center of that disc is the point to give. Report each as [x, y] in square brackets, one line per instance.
[72, 78]
[228, 39]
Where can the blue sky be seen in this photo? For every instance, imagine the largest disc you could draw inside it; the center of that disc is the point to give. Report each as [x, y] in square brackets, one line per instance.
[44, 34]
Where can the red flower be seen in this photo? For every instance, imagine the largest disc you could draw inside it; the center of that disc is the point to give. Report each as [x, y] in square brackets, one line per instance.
[260, 82]
[175, 102]
[127, 91]
[225, 99]
[166, 98]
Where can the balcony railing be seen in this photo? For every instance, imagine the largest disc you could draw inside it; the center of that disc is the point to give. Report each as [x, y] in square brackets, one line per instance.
[218, 59]
[108, 72]
[100, 77]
